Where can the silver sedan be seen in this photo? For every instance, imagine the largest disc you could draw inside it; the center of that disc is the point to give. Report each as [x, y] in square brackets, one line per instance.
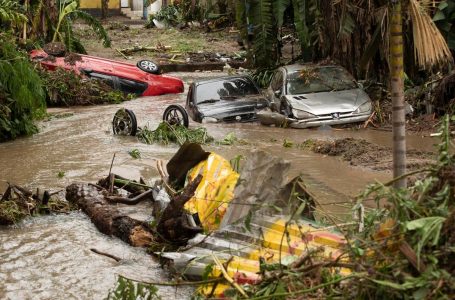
[313, 95]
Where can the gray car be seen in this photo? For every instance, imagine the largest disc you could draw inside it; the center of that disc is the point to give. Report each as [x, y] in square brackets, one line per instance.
[313, 95]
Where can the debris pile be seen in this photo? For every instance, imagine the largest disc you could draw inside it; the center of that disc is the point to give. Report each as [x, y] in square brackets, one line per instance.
[166, 134]
[360, 152]
[66, 88]
[18, 202]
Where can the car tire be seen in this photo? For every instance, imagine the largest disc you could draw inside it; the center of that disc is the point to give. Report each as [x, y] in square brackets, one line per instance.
[124, 122]
[148, 66]
[176, 115]
[56, 49]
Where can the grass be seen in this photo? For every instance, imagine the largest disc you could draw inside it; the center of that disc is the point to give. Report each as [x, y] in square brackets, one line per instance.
[10, 212]
[166, 134]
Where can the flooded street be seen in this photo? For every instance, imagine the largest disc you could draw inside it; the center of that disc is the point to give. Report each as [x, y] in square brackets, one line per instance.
[49, 257]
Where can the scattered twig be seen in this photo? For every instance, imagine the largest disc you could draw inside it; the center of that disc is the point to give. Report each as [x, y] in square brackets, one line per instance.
[117, 259]
[177, 283]
[130, 201]
[111, 182]
[314, 288]
[124, 56]
[370, 120]
[227, 277]
[112, 163]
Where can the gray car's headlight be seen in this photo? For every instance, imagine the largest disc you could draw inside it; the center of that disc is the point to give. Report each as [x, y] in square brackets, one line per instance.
[209, 120]
[300, 114]
[365, 107]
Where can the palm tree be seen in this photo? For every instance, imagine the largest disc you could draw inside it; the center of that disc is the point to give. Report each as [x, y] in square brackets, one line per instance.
[397, 91]
[430, 49]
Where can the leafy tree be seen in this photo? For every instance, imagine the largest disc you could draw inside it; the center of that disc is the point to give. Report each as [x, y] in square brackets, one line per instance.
[68, 12]
[21, 92]
[11, 12]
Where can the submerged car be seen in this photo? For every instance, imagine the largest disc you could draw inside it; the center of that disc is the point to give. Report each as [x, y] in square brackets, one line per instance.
[142, 79]
[225, 99]
[314, 95]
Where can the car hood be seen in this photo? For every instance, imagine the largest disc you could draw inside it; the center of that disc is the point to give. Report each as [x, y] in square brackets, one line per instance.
[329, 102]
[228, 108]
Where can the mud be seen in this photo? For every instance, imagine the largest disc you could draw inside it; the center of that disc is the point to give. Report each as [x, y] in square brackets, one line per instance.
[72, 58]
[56, 49]
[359, 152]
[180, 41]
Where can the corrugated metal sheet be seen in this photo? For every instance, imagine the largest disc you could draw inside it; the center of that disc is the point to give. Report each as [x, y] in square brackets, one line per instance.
[243, 248]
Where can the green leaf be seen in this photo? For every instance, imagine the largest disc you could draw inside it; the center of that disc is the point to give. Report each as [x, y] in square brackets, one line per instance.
[279, 7]
[443, 5]
[438, 16]
[70, 8]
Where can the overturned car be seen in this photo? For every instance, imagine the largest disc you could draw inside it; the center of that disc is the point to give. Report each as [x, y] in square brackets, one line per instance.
[311, 95]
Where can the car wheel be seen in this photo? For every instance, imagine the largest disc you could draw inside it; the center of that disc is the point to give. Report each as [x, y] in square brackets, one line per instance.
[176, 115]
[124, 122]
[148, 66]
[56, 49]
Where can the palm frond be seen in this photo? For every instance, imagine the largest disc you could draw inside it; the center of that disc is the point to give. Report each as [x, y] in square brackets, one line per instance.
[264, 44]
[21, 92]
[279, 7]
[240, 18]
[430, 46]
[11, 11]
[301, 24]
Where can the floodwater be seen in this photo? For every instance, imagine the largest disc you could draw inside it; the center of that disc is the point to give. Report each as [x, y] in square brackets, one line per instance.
[49, 257]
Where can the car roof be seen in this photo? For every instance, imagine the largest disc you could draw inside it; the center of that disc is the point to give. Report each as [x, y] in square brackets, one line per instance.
[297, 67]
[199, 82]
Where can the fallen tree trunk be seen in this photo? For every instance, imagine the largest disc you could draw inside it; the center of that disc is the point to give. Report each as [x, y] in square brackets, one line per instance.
[173, 226]
[107, 218]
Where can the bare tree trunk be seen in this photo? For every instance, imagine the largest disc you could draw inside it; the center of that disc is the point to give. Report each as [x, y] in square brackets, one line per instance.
[104, 8]
[397, 86]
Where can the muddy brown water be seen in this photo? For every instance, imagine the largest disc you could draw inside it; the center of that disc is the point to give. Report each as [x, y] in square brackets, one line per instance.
[49, 257]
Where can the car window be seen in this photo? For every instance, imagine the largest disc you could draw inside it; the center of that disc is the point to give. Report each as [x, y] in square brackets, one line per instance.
[277, 81]
[228, 88]
[103, 77]
[319, 79]
[131, 86]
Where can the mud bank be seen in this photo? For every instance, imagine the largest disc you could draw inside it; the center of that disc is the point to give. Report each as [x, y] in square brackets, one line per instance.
[359, 152]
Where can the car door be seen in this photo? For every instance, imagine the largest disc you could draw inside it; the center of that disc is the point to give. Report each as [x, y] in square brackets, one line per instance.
[275, 90]
[190, 102]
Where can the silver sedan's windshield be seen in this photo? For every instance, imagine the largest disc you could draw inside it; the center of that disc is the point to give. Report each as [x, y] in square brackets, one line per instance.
[319, 79]
[227, 89]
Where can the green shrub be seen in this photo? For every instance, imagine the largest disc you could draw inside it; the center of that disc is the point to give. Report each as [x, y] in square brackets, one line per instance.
[21, 92]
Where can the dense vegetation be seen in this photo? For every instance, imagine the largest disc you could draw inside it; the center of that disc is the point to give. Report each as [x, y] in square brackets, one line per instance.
[21, 92]
[352, 32]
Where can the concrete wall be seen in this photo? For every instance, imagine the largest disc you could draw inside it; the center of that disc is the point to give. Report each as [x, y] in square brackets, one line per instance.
[96, 4]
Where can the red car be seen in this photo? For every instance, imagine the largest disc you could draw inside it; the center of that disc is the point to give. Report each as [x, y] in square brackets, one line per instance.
[142, 79]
